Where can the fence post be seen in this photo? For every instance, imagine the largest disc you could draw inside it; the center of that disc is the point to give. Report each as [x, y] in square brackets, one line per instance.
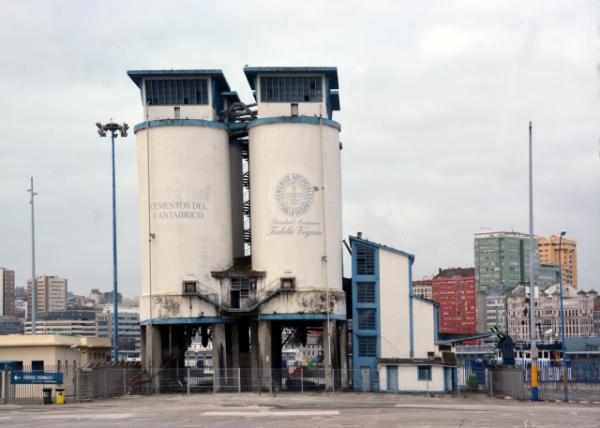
[239, 380]
[5, 387]
[491, 373]
[333, 380]
[301, 380]
[271, 380]
[105, 382]
[187, 383]
[215, 379]
[124, 381]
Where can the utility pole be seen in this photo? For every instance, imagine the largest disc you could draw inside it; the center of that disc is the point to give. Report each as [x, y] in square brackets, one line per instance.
[33, 280]
[532, 325]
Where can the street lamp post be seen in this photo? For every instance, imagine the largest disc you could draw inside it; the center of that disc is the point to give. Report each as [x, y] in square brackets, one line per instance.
[113, 127]
[562, 316]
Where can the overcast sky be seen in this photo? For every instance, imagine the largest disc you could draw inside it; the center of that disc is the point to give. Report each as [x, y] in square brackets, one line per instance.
[435, 102]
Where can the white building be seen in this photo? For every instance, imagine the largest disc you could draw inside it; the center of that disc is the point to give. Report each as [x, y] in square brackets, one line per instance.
[129, 330]
[394, 331]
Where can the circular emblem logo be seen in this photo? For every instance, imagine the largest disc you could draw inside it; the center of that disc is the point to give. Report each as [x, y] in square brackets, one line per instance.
[294, 194]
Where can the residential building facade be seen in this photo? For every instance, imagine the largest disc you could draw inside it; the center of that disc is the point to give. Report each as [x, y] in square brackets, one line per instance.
[51, 294]
[454, 290]
[548, 252]
[578, 314]
[7, 292]
[422, 288]
[492, 307]
[501, 258]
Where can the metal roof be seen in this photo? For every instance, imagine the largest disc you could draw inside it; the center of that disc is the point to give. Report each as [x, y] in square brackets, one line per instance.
[382, 246]
[138, 75]
[329, 72]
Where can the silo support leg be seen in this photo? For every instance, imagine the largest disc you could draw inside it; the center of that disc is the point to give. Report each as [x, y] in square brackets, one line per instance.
[265, 357]
[219, 355]
[328, 344]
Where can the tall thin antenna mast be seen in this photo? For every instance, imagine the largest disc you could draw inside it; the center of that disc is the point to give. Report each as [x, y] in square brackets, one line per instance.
[33, 280]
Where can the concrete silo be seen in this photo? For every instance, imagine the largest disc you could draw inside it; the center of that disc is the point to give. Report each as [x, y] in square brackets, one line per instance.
[185, 205]
[295, 196]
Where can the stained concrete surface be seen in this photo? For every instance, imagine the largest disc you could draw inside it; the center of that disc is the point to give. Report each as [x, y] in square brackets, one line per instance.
[301, 410]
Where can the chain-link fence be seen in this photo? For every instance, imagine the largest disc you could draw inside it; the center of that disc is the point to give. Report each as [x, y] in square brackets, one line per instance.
[471, 377]
[575, 381]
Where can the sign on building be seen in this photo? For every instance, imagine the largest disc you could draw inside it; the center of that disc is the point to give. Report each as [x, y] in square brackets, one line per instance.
[36, 378]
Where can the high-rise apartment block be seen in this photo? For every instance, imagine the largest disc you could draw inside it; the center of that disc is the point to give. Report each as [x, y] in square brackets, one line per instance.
[548, 252]
[501, 259]
[51, 294]
[7, 292]
[454, 290]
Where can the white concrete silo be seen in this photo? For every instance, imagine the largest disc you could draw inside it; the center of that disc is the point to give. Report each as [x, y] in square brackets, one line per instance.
[184, 193]
[295, 189]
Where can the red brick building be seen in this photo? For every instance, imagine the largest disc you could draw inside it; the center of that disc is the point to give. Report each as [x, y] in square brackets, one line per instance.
[454, 290]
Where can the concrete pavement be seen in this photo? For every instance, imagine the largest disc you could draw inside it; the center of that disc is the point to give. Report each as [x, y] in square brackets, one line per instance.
[296, 410]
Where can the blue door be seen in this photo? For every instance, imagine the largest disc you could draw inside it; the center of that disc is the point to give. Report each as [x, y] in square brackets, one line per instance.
[392, 379]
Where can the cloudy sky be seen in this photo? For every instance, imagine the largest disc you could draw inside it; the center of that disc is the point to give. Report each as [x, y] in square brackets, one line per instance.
[436, 97]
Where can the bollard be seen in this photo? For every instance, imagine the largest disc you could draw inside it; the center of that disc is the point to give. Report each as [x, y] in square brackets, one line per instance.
[239, 381]
[302, 380]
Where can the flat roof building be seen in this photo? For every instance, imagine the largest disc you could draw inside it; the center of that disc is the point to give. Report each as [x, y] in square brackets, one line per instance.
[53, 350]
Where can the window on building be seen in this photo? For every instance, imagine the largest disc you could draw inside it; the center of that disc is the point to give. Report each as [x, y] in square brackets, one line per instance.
[177, 91]
[365, 292]
[291, 89]
[37, 366]
[366, 319]
[365, 261]
[424, 372]
[367, 346]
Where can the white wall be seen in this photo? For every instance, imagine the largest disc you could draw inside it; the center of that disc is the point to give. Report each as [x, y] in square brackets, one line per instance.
[285, 109]
[297, 158]
[206, 112]
[408, 379]
[423, 328]
[394, 309]
[189, 176]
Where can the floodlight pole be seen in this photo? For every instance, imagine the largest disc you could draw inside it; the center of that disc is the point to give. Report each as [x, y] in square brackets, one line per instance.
[102, 129]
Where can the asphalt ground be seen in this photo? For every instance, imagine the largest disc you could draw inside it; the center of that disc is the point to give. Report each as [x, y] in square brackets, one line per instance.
[301, 410]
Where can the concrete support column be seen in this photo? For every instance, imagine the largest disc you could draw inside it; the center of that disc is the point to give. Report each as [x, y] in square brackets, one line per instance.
[235, 346]
[219, 349]
[343, 344]
[328, 344]
[264, 353]
[254, 353]
[152, 358]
